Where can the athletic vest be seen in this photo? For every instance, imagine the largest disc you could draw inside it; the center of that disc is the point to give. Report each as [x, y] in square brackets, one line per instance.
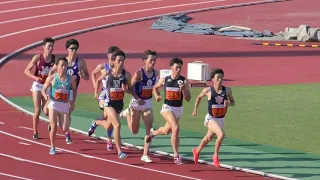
[173, 94]
[216, 106]
[74, 70]
[43, 68]
[143, 89]
[114, 91]
[60, 91]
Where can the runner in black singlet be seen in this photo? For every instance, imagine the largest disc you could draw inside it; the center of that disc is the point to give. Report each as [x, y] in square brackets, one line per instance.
[176, 87]
[219, 98]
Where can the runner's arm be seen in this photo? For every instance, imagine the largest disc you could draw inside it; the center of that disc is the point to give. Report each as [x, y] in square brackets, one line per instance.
[156, 87]
[30, 66]
[130, 89]
[47, 85]
[203, 93]
[97, 83]
[231, 101]
[136, 78]
[94, 73]
[84, 73]
[186, 91]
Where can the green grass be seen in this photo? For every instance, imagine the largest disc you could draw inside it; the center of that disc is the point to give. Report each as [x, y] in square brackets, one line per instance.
[285, 116]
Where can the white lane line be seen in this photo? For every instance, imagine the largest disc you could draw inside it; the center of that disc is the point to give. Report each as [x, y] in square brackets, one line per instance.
[7, 2]
[42, 6]
[22, 127]
[103, 16]
[90, 141]
[97, 158]
[13, 176]
[77, 10]
[24, 143]
[55, 167]
[2, 123]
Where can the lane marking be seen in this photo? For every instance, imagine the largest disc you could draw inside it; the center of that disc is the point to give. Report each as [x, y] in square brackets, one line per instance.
[55, 167]
[97, 158]
[2, 123]
[77, 10]
[90, 141]
[60, 135]
[13, 176]
[22, 127]
[108, 15]
[24, 143]
[7, 2]
[47, 5]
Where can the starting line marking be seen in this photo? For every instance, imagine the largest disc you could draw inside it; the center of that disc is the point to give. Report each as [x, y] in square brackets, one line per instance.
[17, 177]
[55, 167]
[97, 158]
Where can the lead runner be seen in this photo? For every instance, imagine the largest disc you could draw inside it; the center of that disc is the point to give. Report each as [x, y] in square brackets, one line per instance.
[175, 88]
[219, 99]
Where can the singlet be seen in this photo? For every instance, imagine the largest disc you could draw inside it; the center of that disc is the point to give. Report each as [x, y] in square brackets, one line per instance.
[43, 68]
[60, 91]
[216, 106]
[143, 89]
[73, 71]
[114, 91]
[104, 81]
[173, 94]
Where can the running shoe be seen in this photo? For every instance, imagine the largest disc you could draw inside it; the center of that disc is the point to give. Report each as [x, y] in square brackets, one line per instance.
[146, 158]
[52, 151]
[92, 128]
[109, 145]
[178, 160]
[195, 155]
[122, 155]
[216, 161]
[68, 138]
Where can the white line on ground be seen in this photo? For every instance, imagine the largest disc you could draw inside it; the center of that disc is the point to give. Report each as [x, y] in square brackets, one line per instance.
[13, 176]
[103, 16]
[7, 2]
[22, 127]
[2, 123]
[90, 141]
[97, 158]
[42, 6]
[77, 10]
[24, 143]
[55, 167]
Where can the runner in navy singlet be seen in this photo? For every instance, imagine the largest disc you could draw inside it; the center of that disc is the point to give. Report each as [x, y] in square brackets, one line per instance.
[77, 68]
[118, 82]
[143, 81]
[176, 87]
[219, 98]
[42, 63]
[100, 69]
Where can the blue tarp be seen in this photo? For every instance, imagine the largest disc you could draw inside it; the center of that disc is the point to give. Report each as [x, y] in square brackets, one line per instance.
[179, 23]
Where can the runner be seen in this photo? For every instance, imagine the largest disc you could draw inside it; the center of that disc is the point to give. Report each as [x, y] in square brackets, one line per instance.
[77, 68]
[219, 98]
[118, 82]
[175, 88]
[59, 105]
[100, 69]
[143, 81]
[42, 64]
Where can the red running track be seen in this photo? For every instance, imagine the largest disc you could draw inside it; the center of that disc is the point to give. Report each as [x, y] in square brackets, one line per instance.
[82, 159]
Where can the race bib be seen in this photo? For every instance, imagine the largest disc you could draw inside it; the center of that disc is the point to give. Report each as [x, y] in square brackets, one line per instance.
[43, 78]
[173, 94]
[116, 94]
[218, 111]
[146, 92]
[61, 95]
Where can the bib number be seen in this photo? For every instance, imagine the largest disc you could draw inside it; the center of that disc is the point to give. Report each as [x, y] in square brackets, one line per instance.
[61, 96]
[146, 93]
[219, 112]
[116, 94]
[173, 94]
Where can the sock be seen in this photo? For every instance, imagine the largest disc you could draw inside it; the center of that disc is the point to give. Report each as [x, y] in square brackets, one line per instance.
[110, 132]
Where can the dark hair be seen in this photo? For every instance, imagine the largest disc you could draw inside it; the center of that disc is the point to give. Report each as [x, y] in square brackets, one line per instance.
[176, 61]
[46, 40]
[216, 71]
[117, 53]
[70, 42]
[61, 59]
[112, 49]
[148, 52]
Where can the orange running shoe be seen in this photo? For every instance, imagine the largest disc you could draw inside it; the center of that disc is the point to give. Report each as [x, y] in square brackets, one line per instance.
[195, 155]
[216, 162]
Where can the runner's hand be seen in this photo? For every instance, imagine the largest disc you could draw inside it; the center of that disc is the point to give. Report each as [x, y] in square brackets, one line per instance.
[226, 102]
[158, 98]
[141, 101]
[194, 113]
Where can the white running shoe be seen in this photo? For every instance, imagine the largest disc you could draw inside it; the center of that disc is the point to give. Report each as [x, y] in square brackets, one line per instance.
[146, 158]
[124, 113]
